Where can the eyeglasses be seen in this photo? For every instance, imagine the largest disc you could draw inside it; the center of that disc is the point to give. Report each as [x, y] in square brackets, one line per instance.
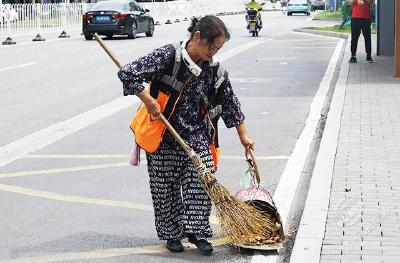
[212, 48]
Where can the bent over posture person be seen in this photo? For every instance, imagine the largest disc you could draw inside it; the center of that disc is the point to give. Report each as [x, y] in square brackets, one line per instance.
[181, 206]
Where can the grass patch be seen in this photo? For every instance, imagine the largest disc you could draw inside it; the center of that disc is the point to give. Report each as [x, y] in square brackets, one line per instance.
[328, 15]
[345, 29]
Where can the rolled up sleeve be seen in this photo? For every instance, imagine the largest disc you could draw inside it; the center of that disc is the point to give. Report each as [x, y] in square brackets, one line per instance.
[134, 74]
[231, 111]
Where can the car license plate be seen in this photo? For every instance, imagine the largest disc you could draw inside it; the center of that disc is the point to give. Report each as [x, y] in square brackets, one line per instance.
[102, 18]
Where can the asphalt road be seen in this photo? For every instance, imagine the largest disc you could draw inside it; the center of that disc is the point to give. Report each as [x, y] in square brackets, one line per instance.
[76, 198]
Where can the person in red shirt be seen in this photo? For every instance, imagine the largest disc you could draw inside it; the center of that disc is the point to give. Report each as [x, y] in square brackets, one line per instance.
[360, 22]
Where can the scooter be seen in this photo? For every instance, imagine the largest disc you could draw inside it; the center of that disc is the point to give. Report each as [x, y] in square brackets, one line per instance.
[252, 22]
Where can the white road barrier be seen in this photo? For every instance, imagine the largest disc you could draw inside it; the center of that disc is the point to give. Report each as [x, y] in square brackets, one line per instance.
[16, 19]
[25, 19]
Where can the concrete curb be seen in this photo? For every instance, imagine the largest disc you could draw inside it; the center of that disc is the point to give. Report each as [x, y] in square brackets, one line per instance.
[327, 19]
[311, 232]
[322, 33]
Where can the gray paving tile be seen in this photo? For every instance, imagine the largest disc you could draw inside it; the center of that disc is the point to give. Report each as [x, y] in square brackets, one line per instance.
[365, 222]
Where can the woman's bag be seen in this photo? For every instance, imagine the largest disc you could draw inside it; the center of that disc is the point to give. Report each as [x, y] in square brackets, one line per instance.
[148, 132]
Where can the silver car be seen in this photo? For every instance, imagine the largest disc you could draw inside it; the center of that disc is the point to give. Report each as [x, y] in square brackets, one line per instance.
[298, 6]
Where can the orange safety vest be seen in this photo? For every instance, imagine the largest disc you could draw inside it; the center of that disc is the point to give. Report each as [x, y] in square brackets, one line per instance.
[166, 90]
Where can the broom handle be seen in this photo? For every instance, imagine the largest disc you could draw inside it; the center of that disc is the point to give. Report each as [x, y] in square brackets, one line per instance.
[171, 129]
[255, 166]
[177, 137]
[107, 50]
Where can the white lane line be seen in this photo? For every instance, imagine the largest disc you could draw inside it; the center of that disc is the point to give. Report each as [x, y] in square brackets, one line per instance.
[305, 41]
[37, 140]
[42, 138]
[259, 258]
[311, 48]
[285, 191]
[237, 50]
[250, 80]
[19, 66]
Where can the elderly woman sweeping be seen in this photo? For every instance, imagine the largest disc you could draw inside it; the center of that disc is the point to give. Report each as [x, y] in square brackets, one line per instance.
[195, 92]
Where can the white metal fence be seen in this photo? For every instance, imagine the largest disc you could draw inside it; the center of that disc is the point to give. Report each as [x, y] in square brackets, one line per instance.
[163, 11]
[35, 19]
[40, 18]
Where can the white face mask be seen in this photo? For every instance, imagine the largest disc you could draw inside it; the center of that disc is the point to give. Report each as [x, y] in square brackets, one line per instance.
[193, 67]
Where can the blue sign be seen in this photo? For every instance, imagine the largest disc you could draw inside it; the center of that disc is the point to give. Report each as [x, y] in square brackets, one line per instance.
[332, 5]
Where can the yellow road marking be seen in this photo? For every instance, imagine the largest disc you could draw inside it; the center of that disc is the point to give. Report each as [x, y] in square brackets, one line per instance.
[234, 157]
[106, 253]
[117, 156]
[64, 170]
[82, 200]
[76, 156]
[72, 198]
[102, 166]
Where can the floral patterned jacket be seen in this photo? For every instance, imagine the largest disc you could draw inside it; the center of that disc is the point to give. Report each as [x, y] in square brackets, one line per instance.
[186, 118]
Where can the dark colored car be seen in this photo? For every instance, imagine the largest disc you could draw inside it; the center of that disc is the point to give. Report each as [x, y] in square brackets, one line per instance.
[317, 4]
[117, 17]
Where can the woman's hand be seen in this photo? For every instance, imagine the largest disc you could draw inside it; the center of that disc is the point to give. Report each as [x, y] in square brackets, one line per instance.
[154, 109]
[151, 104]
[247, 142]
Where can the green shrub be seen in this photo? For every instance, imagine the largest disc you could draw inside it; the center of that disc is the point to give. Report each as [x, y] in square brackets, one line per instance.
[346, 13]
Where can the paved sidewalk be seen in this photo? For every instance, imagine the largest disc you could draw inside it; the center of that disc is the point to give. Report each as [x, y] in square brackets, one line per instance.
[363, 223]
[351, 213]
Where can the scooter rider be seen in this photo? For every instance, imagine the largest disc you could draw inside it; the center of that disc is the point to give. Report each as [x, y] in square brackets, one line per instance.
[253, 4]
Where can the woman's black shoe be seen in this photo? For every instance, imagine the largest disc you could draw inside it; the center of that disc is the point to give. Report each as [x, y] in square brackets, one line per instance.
[174, 245]
[353, 59]
[201, 243]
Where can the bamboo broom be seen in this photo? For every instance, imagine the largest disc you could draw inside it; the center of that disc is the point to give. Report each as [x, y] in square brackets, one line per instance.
[238, 220]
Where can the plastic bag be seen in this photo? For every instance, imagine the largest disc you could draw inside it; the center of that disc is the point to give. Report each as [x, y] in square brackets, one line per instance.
[248, 178]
